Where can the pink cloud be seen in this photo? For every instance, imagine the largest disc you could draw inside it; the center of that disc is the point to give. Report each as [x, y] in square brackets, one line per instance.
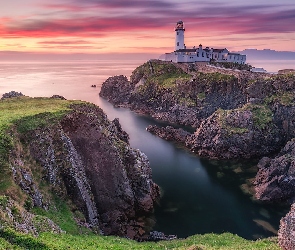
[145, 16]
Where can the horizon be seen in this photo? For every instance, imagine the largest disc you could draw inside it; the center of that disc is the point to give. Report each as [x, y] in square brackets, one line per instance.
[100, 27]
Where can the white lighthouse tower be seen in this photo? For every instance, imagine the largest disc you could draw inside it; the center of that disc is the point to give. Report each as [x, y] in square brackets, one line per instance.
[179, 35]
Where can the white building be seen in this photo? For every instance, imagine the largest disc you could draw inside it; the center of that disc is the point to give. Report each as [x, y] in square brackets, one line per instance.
[199, 54]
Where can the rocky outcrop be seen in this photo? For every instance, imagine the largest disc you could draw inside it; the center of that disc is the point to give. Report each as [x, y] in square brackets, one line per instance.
[234, 134]
[287, 230]
[117, 90]
[86, 158]
[275, 180]
[11, 94]
[169, 133]
[183, 98]
[236, 114]
[14, 215]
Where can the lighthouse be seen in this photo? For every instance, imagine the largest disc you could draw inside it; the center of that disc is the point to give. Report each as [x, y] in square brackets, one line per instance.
[179, 35]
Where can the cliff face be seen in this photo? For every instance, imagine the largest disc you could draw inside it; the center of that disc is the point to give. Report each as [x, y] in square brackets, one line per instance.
[236, 114]
[173, 93]
[87, 160]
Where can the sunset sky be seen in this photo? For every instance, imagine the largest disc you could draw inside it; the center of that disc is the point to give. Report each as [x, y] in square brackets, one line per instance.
[108, 26]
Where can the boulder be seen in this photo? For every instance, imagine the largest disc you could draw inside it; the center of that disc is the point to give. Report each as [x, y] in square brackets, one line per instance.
[275, 180]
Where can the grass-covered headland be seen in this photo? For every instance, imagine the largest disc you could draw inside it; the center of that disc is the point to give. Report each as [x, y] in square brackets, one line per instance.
[22, 114]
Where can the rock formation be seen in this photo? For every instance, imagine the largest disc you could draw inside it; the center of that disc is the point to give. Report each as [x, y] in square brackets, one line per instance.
[287, 230]
[236, 114]
[169, 133]
[84, 158]
[275, 180]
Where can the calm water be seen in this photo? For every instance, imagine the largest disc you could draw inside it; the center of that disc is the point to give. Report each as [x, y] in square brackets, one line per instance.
[198, 195]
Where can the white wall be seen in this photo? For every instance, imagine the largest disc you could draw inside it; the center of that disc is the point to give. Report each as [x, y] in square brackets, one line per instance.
[179, 39]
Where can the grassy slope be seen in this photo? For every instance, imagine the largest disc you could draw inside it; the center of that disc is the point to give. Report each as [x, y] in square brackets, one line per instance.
[25, 109]
[11, 240]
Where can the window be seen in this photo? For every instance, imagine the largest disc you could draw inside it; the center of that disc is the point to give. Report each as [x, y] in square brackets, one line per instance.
[177, 33]
[177, 43]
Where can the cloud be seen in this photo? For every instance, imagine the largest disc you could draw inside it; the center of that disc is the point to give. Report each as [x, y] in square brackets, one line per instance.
[65, 42]
[102, 18]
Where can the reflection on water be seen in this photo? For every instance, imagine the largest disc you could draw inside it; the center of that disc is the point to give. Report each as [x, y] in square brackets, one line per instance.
[198, 195]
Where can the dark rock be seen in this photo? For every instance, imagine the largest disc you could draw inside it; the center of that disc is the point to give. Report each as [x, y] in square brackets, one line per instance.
[169, 133]
[275, 180]
[11, 94]
[234, 134]
[287, 230]
[58, 97]
[117, 90]
[88, 158]
[116, 128]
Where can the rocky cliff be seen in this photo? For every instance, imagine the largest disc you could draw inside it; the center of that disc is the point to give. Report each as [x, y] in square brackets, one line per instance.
[236, 114]
[77, 155]
[275, 180]
[287, 229]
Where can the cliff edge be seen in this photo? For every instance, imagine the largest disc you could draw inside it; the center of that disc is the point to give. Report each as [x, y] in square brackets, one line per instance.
[235, 113]
[69, 153]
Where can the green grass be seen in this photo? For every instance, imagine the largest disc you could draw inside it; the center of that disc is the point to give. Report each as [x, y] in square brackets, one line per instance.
[92, 242]
[262, 115]
[60, 213]
[231, 65]
[231, 130]
[14, 109]
[283, 98]
[201, 96]
[168, 80]
[27, 113]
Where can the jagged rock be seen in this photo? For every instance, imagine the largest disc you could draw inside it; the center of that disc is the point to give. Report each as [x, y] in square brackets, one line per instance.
[119, 176]
[287, 230]
[14, 215]
[275, 180]
[117, 90]
[11, 94]
[88, 159]
[169, 133]
[234, 134]
[116, 128]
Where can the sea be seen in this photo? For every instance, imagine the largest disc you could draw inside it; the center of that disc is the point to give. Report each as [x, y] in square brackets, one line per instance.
[198, 195]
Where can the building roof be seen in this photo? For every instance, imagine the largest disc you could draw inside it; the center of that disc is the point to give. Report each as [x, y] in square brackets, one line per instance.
[235, 54]
[220, 50]
[186, 50]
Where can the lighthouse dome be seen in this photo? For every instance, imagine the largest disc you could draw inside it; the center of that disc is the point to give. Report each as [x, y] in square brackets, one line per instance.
[179, 25]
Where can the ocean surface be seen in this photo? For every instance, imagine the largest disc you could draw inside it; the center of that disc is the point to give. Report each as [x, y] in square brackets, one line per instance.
[197, 195]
